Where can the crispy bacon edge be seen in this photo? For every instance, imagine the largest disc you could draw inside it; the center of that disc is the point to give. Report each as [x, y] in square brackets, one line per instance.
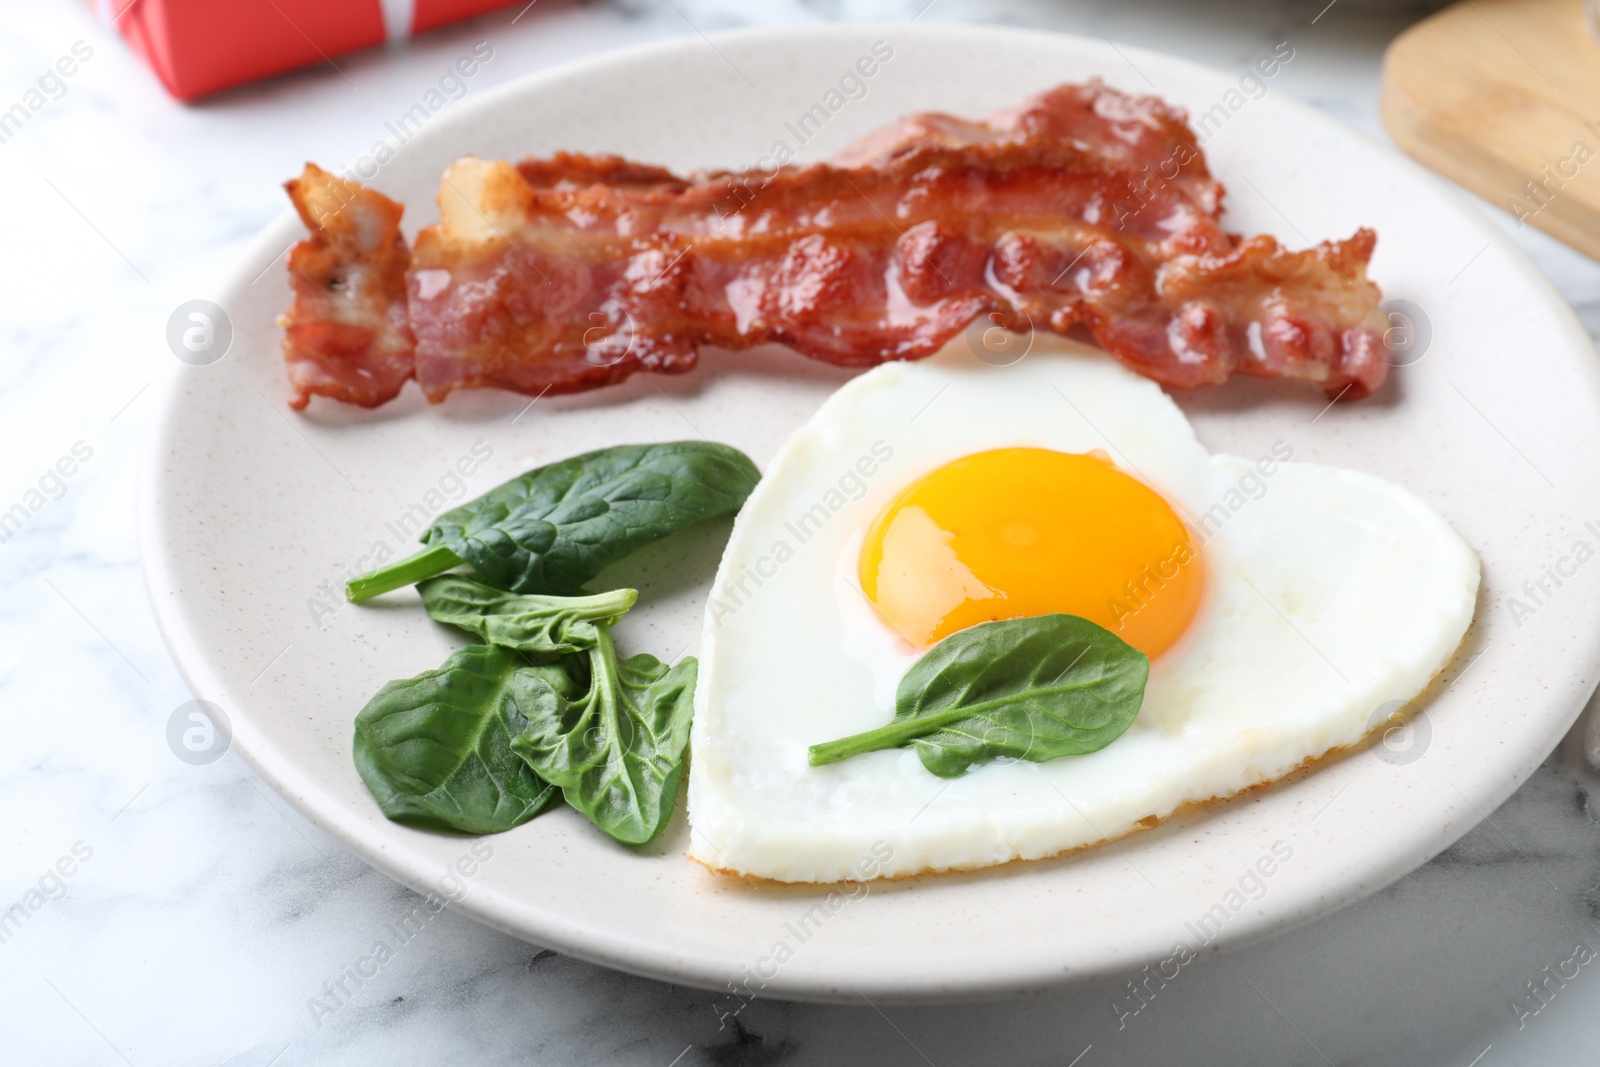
[347, 334]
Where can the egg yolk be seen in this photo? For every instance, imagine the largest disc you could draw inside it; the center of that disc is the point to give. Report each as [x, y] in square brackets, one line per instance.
[1028, 531]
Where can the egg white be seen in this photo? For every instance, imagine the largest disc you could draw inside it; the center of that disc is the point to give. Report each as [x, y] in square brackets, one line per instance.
[1329, 593]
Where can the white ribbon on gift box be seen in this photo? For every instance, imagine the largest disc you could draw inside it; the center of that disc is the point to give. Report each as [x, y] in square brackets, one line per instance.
[399, 16]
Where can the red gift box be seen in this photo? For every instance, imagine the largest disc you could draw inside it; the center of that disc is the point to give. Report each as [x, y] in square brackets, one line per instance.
[198, 47]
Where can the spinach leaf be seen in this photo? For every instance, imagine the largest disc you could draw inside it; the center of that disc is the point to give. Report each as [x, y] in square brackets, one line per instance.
[616, 752]
[435, 750]
[1031, 688]
[556, 527]
[543, 625]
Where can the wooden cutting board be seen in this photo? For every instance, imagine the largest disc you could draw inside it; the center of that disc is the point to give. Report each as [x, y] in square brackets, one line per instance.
[1503, 96]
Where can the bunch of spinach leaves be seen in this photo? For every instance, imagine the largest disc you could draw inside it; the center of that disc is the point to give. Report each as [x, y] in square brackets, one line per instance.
[545, 706]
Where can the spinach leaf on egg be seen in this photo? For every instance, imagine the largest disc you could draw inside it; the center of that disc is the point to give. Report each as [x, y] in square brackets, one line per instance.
[1032, 688]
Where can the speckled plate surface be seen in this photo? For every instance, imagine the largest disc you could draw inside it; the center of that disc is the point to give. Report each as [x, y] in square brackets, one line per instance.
[251, 515]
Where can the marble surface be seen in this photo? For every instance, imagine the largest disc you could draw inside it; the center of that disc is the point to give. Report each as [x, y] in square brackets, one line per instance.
[181, 914]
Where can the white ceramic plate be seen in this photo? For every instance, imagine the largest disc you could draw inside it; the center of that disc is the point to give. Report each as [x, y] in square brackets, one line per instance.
[251, 513]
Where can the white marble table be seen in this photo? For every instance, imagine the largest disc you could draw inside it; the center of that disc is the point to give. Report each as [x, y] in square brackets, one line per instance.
[183, 914]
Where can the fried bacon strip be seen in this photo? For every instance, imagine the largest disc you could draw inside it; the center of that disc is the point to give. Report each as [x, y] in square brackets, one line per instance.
[348, 334]
[1083, 209]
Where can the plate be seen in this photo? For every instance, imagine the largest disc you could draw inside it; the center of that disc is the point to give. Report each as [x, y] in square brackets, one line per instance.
[251, 516]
